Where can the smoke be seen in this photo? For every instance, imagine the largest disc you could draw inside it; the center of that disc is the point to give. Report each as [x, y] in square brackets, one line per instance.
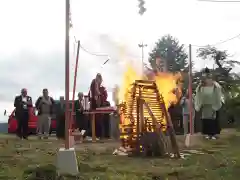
[120, 56]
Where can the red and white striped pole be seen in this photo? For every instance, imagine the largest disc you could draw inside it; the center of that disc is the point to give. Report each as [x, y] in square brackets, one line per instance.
[190, 91]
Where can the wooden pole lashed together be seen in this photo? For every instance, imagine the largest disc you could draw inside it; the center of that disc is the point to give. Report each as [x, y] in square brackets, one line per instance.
[190, 90]
[75, 81]
[67, 120]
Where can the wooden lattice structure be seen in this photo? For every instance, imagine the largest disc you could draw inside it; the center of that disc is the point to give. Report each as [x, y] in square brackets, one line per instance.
[146, 126]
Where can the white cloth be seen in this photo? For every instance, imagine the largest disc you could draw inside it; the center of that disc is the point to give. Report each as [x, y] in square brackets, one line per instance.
[24, 99]
[81, 102]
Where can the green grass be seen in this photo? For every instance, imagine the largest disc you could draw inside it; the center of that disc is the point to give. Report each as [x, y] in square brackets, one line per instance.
[34, 160]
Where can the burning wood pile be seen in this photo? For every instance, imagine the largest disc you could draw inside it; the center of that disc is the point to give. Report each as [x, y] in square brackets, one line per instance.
[145, 126]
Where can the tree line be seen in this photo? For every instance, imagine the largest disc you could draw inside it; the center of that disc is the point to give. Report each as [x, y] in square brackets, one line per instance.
[174, 53]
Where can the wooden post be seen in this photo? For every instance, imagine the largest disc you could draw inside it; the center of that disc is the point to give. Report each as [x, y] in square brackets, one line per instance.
[67, 120]
[141, 113]
[138, 128]
[190, 91]
[170, 127]
[94, 139]
[157, 129]
[75, 80]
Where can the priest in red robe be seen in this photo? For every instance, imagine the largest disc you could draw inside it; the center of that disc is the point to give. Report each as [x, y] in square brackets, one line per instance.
[95, 102]
[94, 93]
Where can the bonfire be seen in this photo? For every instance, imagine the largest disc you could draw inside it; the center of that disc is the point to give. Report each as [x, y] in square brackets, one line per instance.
[144, 100]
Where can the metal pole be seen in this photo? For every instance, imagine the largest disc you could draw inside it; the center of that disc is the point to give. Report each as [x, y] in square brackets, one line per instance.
[67, 120]
[190, 91]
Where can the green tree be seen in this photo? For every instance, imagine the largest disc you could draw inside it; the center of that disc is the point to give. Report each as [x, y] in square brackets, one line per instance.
[169, 49]
[223, 73]
[229, 80]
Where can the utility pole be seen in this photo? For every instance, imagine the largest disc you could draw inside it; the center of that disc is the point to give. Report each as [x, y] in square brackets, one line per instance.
[142, 46]
[190, 91]
[141, 11]
[67, 111]
[189, 139]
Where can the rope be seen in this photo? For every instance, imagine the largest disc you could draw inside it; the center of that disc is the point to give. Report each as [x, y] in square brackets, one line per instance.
[219, 1]
[221, 42]
[92, 53]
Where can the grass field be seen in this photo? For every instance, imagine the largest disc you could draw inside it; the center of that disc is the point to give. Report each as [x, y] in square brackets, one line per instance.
[34, 160]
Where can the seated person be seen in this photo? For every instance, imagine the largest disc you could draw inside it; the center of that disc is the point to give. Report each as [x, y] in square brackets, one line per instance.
[80, 117]
[103, 97]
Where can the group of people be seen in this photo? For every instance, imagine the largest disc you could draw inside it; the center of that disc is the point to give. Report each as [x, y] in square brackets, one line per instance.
[207, 101]
[48, 108]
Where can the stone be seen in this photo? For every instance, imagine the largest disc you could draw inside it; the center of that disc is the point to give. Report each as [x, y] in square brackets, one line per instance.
[67, 161]
[192, 140]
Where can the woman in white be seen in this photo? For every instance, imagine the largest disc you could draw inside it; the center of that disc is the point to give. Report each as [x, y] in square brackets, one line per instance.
[209, 100]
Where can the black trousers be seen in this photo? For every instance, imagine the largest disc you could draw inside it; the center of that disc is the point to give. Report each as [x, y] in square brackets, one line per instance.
[22, 129]
[81, 121]
[106, 126]
[210, 127]
[60, 127]
[102, 125]
[94, 104]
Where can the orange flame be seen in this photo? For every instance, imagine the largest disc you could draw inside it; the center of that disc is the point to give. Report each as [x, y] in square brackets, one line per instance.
[167, 83]
[169, 86]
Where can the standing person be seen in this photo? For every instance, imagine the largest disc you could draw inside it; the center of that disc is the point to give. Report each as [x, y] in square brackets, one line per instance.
[22, 104]
[94, 92]
[44, 105]
[208, 100]
[60, 116]
[184, 102]
[95, 100]
[80, 117]
[105, 118]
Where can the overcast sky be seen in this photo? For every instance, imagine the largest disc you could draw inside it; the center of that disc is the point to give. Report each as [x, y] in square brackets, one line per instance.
[32, 38]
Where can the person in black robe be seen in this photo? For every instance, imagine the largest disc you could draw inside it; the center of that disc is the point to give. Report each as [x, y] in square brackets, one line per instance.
[80, 117]
[60, 117]
[22, 104]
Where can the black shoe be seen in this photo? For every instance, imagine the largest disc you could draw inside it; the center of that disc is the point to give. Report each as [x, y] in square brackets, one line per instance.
[26, 138]
[20, 137]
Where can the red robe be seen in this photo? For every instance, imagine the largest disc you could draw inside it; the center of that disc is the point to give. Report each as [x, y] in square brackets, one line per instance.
[103, 95]
[94, 95]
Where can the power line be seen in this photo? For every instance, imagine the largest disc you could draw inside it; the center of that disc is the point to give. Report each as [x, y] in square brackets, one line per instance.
[219, 1]
[93, 54]
[76, 41]
[221, 42]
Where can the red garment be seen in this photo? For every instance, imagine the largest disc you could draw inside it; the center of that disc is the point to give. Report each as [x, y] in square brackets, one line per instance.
[94, 89]
[103, 94]
[94, 94]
